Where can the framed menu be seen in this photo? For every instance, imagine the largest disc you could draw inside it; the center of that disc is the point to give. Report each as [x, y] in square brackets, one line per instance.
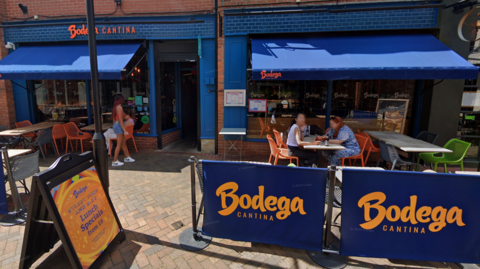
[257, 105]
[234, 98]
[393, 113]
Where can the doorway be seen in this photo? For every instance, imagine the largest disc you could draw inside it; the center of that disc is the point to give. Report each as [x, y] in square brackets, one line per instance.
[179, 103]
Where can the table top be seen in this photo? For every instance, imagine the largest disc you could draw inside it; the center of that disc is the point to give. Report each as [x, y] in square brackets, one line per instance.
[338, 173]
[406, 143]
[321, 147]
[233, 131]
[17, 152]
[105, 126]
[468, 173]
[29, 129]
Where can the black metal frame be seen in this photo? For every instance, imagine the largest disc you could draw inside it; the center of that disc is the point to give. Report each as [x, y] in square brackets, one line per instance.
[43, 211]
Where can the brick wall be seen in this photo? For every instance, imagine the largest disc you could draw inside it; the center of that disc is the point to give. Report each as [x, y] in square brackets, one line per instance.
[170, 137]
[7, 106]
[143, 143]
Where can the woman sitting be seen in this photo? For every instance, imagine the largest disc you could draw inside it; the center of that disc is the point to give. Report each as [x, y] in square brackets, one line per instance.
[340, 134]
[295, 143]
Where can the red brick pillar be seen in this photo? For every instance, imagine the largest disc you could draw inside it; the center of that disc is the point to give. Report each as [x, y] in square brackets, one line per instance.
[221, 86]
[7, 106]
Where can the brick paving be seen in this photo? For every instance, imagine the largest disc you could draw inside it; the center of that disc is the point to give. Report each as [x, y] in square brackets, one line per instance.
[149, 196]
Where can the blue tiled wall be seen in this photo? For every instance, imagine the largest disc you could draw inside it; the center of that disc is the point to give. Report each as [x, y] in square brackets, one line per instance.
[323, 22]
[143, 31]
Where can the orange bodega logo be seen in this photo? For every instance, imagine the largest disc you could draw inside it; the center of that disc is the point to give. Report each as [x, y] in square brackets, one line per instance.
[74, 31]
[438, 217]
[282, 207]
[271, 75]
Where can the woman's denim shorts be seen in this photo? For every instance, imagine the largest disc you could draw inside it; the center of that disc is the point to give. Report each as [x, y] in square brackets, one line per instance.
[117, 129]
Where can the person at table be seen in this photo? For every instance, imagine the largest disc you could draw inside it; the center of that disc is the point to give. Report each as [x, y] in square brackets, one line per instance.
[340, 134]
[295, 143]
[118, 116]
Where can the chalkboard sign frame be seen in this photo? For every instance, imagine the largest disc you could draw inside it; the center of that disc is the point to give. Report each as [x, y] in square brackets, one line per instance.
[40, 213]
[382, 103]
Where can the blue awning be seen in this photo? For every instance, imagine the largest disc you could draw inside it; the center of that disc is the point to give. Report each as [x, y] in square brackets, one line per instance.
[66, 61]
[418, 56]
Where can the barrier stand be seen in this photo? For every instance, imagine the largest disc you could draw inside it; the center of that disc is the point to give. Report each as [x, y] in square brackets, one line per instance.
[329, 257]
[18, 215]
[192, 239]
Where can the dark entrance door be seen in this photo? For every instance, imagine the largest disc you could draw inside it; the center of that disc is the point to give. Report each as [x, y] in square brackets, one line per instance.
[188, 80]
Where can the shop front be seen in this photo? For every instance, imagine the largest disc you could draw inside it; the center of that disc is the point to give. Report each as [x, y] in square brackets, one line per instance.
[373, 81]
[162, 66]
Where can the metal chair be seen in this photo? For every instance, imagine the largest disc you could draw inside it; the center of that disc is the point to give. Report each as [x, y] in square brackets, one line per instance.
[43, 139]
[24, 167]
[389, 154]
[9, 141]
[427, 137]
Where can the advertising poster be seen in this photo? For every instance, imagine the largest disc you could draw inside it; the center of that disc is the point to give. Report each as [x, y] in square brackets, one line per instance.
[410, 216]
[393, 112]
[264, 203]
[257, 105]
[86, 215]
[234, 98]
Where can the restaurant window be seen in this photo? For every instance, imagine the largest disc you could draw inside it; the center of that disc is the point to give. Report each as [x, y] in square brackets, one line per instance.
[284, 100]
[61, 100]
[375, 105]
[168, 89]
[469, 119]
[133, 86]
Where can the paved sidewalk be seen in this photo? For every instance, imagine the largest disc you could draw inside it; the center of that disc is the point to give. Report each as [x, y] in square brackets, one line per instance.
[152, 194]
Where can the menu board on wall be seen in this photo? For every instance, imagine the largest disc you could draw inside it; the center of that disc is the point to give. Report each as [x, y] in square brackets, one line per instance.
[392, 114]
[234, 98]
[86, 215]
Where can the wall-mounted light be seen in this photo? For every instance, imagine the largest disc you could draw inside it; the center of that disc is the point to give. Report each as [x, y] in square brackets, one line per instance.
[23, 8]
[10, 45]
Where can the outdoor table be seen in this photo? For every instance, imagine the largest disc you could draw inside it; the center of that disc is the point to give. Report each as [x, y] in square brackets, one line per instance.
[29, 129]
[321, 147]
[91, 128]
[406, 143]
[233, 131]
[338, 173]
[17, 152]
[467, 173]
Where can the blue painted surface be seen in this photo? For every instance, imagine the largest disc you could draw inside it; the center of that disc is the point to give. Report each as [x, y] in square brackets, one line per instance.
[142, 31]
[325, 22]
[21, 98]
[207, 82]
[151, 82]
[66, 61]
[235, 78]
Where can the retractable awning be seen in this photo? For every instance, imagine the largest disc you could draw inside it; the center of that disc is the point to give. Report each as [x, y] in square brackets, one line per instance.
[66, 61]
[418, 56]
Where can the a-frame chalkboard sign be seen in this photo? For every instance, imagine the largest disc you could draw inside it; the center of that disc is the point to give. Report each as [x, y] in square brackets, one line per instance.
[68, 202]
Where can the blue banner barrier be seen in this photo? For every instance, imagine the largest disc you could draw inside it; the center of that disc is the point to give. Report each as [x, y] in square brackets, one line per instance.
[264, 204]
[411, 215]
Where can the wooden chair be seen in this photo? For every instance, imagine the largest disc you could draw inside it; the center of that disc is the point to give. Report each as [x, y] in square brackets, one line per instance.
[277, 153]
[59, 133]
[129, 129]
[26, 123]
[263, 127]
[370, 147]
[73, 133]
[362, 142]
[278, 139]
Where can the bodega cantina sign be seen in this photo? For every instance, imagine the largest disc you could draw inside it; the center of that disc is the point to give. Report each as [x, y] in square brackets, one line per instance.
[74, 31]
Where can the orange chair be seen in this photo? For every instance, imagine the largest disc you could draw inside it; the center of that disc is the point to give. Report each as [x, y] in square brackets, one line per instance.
[263, 127]
[362, 142]
[129, 129]
[277, 153]
[145, 128]
[279, 140]
[59, 133]
[370, 147]
[26, 123]
[73, 133]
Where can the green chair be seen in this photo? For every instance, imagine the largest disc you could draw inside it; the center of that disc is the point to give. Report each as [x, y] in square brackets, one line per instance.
[459, 149]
